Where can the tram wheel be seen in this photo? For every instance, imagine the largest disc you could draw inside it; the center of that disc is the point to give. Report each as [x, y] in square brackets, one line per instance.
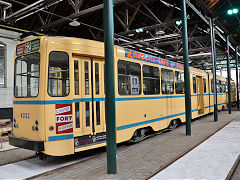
[173, 124]
[41, 156]
[138, 136]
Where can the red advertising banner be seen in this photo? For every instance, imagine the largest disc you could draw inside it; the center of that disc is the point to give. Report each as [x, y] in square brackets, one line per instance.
[64, 121]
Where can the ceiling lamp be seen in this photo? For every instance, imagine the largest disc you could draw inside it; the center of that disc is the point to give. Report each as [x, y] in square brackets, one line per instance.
[160, 32]
[74, 23]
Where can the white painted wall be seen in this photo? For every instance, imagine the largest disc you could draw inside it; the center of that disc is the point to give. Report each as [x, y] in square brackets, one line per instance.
[6, 93]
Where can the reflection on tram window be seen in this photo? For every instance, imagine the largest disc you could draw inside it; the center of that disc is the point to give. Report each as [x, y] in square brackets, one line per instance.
[204, 85]
[151, 80]
[179, 82]
[97, 78]
[98, 112]
[129, 78]
[87, 114]
[212, 85]
[76, 77]
[58, 78]
[27, 75]
[194, 84]
[86, 68]
[167, 81]
[77, 115]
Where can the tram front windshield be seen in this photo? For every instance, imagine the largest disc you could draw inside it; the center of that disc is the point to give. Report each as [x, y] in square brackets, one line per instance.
[27, 75]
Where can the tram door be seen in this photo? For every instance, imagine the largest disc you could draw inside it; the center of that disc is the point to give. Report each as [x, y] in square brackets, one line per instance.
[89, 96]
[200, 99]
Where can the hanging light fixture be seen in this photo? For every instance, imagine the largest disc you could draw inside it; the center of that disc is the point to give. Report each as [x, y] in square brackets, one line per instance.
[74, 23]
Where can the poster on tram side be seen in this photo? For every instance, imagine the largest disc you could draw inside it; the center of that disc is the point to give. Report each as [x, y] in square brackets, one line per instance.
[64, 121]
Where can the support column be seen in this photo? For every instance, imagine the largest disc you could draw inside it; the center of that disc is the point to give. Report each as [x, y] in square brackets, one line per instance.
[110, 87]
[237, 77]
[229, 76]
[186, 69]
[214, 69]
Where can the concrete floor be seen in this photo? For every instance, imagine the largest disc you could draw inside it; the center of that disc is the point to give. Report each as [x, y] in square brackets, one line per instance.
[140, 160]
[213, 159]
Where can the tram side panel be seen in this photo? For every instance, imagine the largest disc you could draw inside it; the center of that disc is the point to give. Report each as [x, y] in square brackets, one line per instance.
[144, 106]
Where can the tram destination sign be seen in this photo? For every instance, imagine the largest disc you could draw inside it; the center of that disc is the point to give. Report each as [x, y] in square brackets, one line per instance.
[28, 47]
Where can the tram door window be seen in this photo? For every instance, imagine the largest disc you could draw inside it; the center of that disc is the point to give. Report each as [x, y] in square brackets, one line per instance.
[98, 95]
[89, 101]
[200, 91]
[204, 85]
[194, 84]
[76, 92]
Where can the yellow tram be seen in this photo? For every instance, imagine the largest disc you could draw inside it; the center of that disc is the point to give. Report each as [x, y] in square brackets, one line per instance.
[59, 108]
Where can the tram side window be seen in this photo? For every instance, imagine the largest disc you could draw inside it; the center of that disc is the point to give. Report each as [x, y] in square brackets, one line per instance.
[129, 78]
[204, 85]
[179, 82]
[27, 75]
[58, 78]
[167, 81]
[194, 84]
[151, 80]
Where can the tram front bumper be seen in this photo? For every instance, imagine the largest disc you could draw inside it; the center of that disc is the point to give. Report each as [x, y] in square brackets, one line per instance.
[26, 143]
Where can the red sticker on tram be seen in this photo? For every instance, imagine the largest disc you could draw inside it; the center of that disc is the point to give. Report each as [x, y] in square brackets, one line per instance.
[64, 121]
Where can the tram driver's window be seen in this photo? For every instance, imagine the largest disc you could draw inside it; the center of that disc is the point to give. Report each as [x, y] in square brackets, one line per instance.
[58, 77]
[167, 81]
[129, 78]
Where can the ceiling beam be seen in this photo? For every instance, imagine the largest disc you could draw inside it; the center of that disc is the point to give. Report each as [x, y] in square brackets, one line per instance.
[80, 13]
[202, 38]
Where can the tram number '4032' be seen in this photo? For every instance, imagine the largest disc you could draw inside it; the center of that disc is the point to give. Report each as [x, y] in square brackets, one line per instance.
[25, 115]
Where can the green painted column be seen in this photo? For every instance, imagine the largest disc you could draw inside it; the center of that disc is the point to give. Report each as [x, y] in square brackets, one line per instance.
[229, 76]
[110, 86]
[237, 77]
[186, 69]
[214, 69]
